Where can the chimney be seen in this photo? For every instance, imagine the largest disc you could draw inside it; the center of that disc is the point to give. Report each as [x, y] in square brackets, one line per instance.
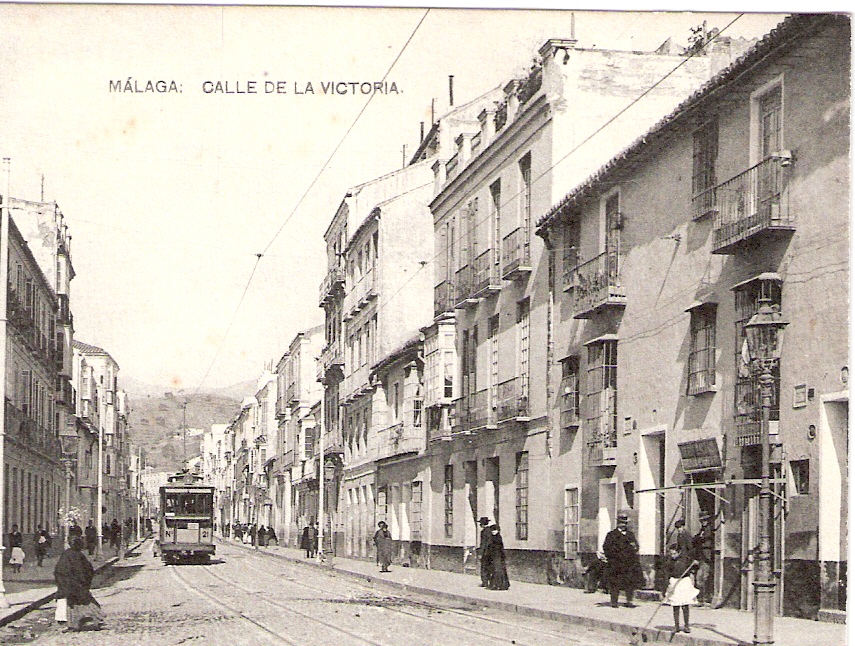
[451, 90]
[421, 131]
[488, 126]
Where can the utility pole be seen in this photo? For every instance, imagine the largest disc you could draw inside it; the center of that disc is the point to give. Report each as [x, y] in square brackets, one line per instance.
[184, 426]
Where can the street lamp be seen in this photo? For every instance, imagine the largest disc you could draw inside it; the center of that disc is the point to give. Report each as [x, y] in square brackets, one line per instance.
[68, 440]
[764, 334]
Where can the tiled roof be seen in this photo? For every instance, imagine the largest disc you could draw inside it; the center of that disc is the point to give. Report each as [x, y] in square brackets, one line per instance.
[792, 28]
[87, 348]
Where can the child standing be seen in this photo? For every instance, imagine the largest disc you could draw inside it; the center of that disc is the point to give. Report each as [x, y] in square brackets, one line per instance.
[681, 592]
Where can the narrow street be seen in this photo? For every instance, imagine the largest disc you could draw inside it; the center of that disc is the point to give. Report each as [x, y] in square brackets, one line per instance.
[254, 599]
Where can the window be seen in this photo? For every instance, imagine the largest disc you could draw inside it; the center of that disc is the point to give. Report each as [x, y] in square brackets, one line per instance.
[493, 336]
[704, 155]
[416, 511]
[801, 477]
[702, 350]
[496, 211]
[396, 400]
[571, 522]
[308, 442]
[417, 407]
[382, 508]
[522, 496]
[570, 252]
[525, 176]
[746, 405]
[523, 323]
[602, 393]
[569, 394]
[448, 492]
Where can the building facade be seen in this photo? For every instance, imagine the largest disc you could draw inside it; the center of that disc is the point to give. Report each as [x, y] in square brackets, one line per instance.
[732, 201]
[497, 452]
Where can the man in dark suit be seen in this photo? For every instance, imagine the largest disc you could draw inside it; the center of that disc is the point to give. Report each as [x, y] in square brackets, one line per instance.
[623, 564]
[486, 537]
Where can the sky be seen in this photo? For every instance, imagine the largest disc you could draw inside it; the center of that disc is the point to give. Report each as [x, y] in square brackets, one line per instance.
[170, 196]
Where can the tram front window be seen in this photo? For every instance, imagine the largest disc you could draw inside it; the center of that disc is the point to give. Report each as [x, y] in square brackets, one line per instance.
[188, 504]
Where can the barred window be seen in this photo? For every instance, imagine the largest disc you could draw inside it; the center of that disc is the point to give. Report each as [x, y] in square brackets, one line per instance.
[702, 351]
[704, 155]
[571, 522]
[522, 496]
[602, 393]
[569, 394]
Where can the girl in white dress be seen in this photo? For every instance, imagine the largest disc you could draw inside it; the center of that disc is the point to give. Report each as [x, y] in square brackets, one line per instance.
[681, 592]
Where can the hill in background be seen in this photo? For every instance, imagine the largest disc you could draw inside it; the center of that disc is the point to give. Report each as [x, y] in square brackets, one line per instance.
[157, 418]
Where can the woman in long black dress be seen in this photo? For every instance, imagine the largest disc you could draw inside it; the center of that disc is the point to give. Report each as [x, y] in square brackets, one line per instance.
[73, 574]
[495, 554]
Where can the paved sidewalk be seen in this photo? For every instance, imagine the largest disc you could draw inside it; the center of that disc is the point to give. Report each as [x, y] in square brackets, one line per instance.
[34, 586]
[719, 627]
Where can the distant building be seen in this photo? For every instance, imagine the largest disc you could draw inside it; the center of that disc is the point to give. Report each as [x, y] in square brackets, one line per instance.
[294, 488]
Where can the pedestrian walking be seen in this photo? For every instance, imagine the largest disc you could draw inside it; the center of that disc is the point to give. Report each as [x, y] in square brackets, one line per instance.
[91, 537]
[74, 531]
[495, 551]
[41, 545]
[486, 535]
[115, 533]
[384, 545]
[73, 574]
[623, 566]
[681, 592]
[16, 550]
[271, 536]
[262, 536]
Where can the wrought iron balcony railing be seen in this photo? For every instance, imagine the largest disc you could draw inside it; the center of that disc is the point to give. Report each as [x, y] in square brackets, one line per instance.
[597, 285]
[516, 254]
[463, 287]
[513, 400]
[753, 205]
[481, 413]
[485, 277]
[443, 298]
[332, 281]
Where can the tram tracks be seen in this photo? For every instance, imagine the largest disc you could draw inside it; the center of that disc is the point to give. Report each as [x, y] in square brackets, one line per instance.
[433, 610]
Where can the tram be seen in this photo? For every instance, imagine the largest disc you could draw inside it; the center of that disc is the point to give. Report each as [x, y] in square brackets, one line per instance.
[186, 520]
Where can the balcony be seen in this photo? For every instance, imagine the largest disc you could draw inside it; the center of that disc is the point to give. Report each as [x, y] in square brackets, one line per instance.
[753, 206]
[602, 445]
[363, 292]
[458, 416]
[481, 413]
[516, 254]
[443, 298]
[597, 286]
[438, 423]
[485, 277]
[333, 281]
[513, 401]
[463, 288]
[399, 439]
[331, 358]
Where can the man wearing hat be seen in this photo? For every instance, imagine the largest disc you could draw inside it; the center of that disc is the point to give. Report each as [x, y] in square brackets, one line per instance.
[702, 552]
[623, 565]
[486, 537]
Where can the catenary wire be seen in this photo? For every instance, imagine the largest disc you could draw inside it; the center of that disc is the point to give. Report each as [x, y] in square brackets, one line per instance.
[303, 197]
[577, 147]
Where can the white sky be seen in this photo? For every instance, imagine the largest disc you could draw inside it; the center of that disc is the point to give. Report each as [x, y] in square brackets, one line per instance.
[168, 197]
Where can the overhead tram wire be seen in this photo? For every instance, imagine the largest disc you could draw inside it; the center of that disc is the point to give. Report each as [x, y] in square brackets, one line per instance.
[576, 148]
[258, 257]
[352, 125]
[303, 197]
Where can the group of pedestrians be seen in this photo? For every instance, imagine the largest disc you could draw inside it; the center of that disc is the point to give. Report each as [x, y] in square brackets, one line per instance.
[249, 534]
[687, 567]
[491, 552]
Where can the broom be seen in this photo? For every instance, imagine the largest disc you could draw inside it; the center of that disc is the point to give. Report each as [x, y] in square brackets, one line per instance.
[643, 632]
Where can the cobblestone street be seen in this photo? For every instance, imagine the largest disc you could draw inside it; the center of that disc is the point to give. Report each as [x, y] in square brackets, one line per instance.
[253, 599]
